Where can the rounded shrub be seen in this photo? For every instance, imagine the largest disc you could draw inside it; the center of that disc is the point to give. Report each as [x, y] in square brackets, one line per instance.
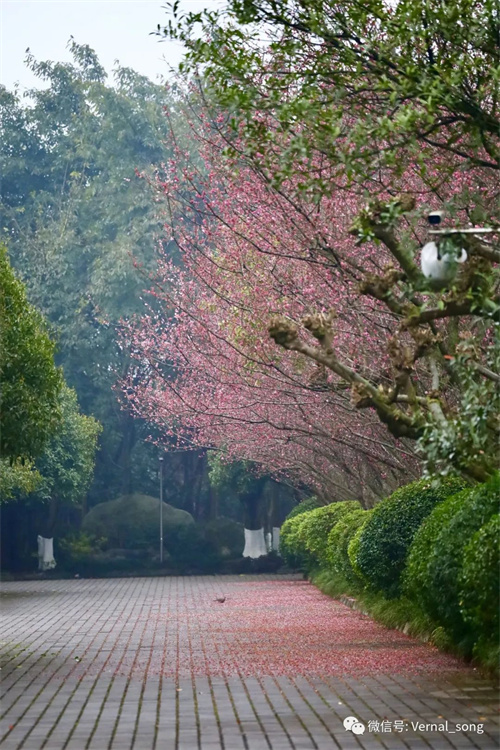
[338, 543]
[415, 581]
[386, 538]
[291, 550]
[353, 547]
[304, 507]
[314, 531]
[132, 521]
[447, 536]
[479, 582]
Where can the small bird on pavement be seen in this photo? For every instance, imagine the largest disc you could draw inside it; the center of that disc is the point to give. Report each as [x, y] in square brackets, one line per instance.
[220, 599]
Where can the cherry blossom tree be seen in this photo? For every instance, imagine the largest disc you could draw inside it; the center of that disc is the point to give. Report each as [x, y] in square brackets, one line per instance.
[334, 280]
[212, 376]
[301, 225]
[398, 105]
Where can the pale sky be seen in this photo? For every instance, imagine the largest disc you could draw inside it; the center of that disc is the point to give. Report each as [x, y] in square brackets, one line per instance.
[116, 29]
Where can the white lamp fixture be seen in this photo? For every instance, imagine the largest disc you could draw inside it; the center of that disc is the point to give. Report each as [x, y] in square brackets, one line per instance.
[440, 266]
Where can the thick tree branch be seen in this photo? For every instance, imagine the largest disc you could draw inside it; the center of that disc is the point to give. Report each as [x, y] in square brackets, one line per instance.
[451, 309]
[400, 424]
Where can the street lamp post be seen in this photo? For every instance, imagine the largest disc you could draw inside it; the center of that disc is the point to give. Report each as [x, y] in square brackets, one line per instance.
[161, 510]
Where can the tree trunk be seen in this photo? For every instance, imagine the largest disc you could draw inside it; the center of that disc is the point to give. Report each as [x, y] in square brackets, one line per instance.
[50, 525]
[213, 499]
[252, 505]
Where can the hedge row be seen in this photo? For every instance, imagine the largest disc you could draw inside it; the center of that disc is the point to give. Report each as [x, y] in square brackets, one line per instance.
[433, 542]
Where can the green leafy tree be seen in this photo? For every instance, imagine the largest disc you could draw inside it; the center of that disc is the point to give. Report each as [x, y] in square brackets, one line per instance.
[17, 479]
[29, 380]
[85, 232]
[355, 82]
[67, 464]
[239, 492]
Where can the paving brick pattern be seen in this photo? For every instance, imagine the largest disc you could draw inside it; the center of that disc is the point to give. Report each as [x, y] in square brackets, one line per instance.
[158, 664]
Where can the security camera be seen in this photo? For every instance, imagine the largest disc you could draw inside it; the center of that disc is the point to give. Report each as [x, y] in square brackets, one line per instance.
[434, 217]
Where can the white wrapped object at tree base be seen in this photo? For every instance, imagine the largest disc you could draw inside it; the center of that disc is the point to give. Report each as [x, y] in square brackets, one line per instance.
[255, 543]
[276, 538]
[437, 266]
[45, 553]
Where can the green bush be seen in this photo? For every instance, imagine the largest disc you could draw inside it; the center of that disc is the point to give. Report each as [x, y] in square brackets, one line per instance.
[304, 507]
[76, 550]
[338, 542]
[415, 581]
[354, 546]
[314, 531]
[88, 556]
[479, 582]
[132, 522]
[226, 536]
[436, 579]
[190, 551]
[289, 549]
[386, 538]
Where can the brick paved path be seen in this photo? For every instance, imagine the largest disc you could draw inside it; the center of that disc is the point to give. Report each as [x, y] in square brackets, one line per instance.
[158, 664]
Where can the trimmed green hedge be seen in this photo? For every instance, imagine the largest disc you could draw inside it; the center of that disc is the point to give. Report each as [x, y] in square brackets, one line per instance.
[438, 541]
[443, 539]
[304, 507]
[339, 538]
[415, 579]
[479, 582]
[386, 538]
[314, 531]
[353, 549]
[289, 547]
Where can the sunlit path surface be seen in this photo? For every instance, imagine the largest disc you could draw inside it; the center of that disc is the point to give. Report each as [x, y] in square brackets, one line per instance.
[159, 663]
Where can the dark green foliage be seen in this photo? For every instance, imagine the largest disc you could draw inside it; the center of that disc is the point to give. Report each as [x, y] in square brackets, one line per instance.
[80, 545]
[479, 582]
[226, 536]
[339, 538]
[270, 563]
[241, 491]
[30, 383]
[186, 550]
[75, 552]
[67, 463]
[441, 544]
[318, 523]
[88, 556]
[304, 507]
[133, 521]
[386, 538]
[190, 551]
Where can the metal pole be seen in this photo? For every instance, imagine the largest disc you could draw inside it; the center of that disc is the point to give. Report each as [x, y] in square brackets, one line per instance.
[161, 509]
